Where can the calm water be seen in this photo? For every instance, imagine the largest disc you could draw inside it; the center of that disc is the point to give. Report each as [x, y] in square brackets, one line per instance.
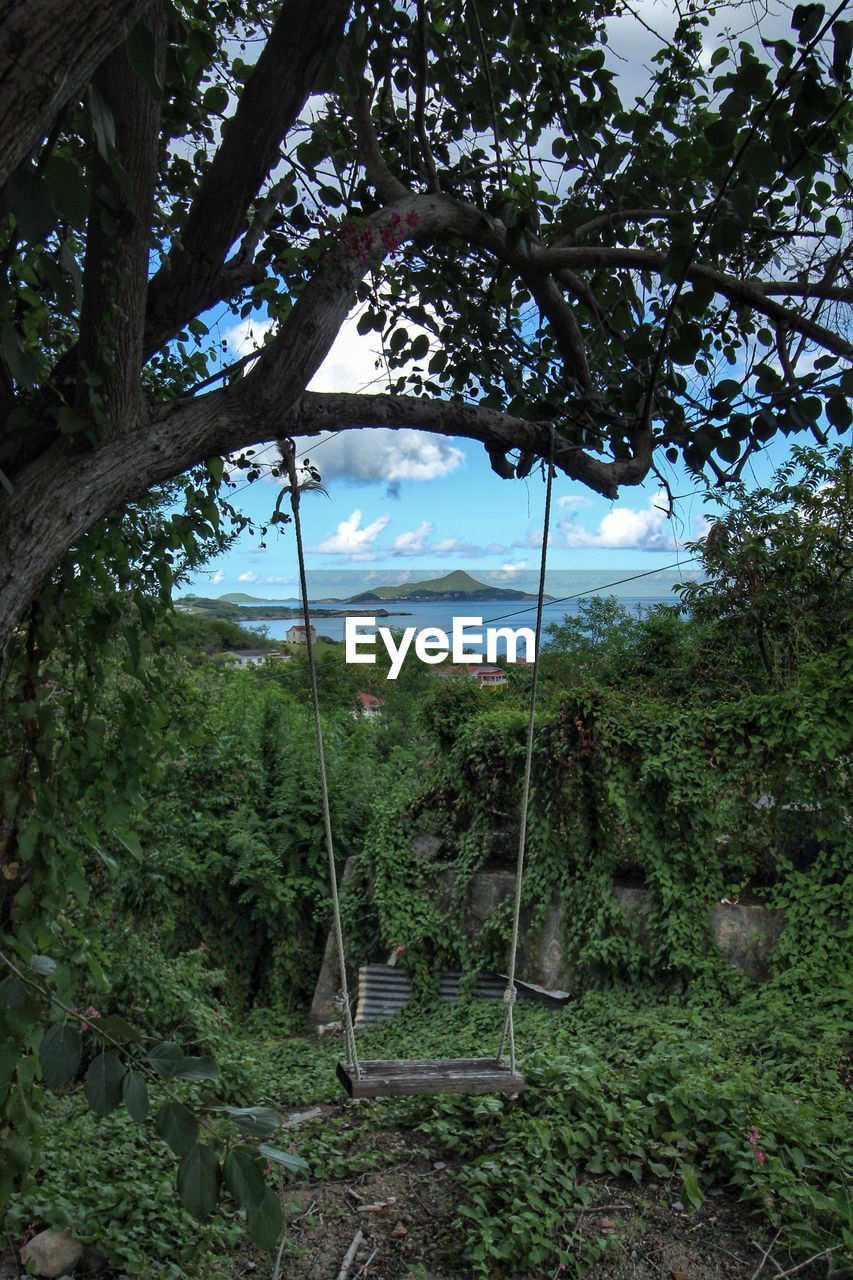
[440, 613]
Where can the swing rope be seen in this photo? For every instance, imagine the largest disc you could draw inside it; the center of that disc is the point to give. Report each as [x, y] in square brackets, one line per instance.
[508, 1033]
[288, 451]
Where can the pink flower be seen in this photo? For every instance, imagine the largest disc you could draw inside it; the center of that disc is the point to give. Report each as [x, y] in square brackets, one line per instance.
[269, 1166]
[760, 1155]
[753, 1135]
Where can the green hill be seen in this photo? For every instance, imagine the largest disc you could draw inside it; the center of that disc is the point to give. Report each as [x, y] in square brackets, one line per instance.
[457, 585]
[240, 597]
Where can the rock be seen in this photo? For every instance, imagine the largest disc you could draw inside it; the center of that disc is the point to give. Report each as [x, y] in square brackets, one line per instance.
[607, 1224]
[52, 1253]
[399, 1232]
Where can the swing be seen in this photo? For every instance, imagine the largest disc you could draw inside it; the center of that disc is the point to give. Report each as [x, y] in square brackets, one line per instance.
[422, 1076]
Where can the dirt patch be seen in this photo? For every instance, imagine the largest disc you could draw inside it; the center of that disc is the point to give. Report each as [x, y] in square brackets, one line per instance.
[404, 1211]
[649, 1234]
[645, 1232]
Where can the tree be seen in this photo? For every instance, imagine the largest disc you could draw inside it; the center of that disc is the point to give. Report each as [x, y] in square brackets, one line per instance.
[645, 279]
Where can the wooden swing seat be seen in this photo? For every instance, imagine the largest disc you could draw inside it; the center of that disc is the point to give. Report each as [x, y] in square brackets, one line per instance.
[413, 1076]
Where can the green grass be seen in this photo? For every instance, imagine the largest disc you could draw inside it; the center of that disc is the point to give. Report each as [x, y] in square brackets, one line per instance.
[619, 1086]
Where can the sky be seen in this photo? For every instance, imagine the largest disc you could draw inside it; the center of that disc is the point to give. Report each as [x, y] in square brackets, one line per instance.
[418, 505]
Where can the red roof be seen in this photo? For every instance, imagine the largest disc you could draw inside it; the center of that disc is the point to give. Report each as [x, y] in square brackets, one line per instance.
[368, 700]
[299, 627]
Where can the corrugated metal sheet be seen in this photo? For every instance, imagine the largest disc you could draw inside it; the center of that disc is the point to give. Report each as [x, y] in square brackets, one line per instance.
[385, 989]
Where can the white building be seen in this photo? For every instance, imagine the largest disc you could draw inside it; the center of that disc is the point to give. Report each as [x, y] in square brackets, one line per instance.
[368, 705]
[296, 635]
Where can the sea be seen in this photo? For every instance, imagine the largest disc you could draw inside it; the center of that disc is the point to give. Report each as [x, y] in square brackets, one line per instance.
[440, 613]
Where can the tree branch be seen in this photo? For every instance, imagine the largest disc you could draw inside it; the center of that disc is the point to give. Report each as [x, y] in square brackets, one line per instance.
[754, 294]
[608, 220]
[499, 432]
[420, 100]
[48, 52]
[191, 279]
[115, 274]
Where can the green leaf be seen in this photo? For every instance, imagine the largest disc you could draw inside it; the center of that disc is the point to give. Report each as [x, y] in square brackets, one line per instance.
[420, 347]
[727, 389]
[294, 1163]
[691, 1186]
[198, 1069]
[13, 993]
[21, 362]
[265, 1222]
[103, 1082]
[103, 124]
[177, 1126]
[728, 449]
[721, 133]
[42, 965]
[243, 1178]
[134, 1092]
[60, 1052]
[198, 1181]
[215, 99]
[166, 1058]
[28, 198]
[838, 412]
[258, 1122]
[69, 189]
[113, 1025]
[142, 56]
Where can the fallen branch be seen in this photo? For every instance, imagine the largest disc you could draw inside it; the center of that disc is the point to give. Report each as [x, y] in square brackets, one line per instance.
[349, 1259]
[363, 1270]
[765, 1254]
[814, 1258]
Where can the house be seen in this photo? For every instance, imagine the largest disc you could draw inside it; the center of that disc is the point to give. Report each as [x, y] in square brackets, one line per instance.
[296, 635]
[368, 705]
[253, 657]
[487, 677]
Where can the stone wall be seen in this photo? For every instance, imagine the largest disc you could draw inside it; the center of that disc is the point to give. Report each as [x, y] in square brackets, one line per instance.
[745, 935]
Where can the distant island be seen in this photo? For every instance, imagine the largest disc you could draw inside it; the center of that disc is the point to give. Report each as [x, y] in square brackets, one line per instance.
[458, 585]
[264, 611]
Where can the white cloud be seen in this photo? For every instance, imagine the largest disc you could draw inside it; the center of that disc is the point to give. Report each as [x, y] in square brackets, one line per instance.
[413, 542]
[217, 577]
[349, 539]
[245, 336]
[277, 580]
[354, 362]
[247, 577]
[624, 529]
[573, 500]
[382, 455]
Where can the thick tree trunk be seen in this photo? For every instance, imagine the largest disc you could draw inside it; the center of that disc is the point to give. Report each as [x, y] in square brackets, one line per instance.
[118, 240]
[48, 52]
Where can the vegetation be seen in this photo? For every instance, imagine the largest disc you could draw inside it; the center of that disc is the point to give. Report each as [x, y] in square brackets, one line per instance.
[179, 988]
[532, 250]
[553, 272]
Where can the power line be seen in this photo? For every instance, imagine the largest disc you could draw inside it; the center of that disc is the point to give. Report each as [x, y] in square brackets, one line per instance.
[589, 591]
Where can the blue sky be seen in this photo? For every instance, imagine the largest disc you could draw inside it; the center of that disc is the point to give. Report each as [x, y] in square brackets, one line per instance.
[421, 504]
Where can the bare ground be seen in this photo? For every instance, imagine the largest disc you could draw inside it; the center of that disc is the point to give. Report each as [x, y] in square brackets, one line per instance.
[406, 1212]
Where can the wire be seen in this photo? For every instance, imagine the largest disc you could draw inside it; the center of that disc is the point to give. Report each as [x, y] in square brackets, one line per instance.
[602, 587]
